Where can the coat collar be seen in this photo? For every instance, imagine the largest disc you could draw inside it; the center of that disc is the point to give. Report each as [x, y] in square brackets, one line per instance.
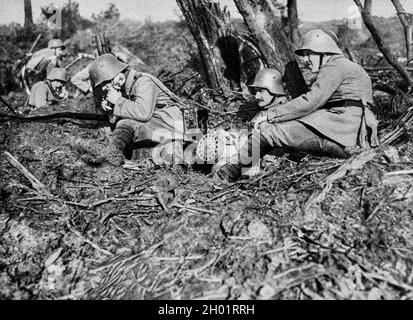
[274, 104]
[130, 80]
[333, 58]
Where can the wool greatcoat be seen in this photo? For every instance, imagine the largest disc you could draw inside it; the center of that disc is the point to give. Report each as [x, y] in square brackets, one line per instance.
[148, 109]
[41, 95]
[349, 126]
[82, 80]
[41, 59]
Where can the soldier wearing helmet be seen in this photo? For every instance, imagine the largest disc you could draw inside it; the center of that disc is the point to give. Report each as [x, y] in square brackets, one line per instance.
[330, 119]
[81, 79]
[139, 106]
[268, 88]
[44, 60]
[269, 92]
[50, 91]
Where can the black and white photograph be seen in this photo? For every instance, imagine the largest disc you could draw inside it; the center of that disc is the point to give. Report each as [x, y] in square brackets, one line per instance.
[227, 151]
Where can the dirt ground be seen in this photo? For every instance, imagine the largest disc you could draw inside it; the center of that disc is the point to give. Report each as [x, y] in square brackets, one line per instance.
[108, 232]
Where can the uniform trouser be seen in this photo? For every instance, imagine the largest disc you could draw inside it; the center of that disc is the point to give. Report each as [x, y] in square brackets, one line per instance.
[287, 136]
[129, 134]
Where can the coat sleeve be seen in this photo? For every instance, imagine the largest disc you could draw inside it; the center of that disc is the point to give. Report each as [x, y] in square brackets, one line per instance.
[327, 82]
[38, 96]
[81, 80]
[141, 108]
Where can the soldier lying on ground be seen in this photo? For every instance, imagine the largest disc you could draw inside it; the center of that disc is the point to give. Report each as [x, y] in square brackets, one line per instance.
[332, 116]
[50, 91]
[81, 79]
[138, 104]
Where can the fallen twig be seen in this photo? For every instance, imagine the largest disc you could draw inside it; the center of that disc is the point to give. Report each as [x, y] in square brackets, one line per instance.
[128, 259]
[76, 204]
[388, 280]
[198, 271]
[378, 207]
[199, 257]
[89, 242]
[354, 163]
[288, 246]
[136, 187]
[404, 124]
[314, 171]
[298, 269]
[191, 208]
[107, 200]
[397, 173]
[36, 184]
[299, 281]
[161, 201]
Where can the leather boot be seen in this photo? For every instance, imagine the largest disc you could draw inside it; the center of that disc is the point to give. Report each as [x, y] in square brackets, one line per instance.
[117, 149]
[232, 172]
[229, 172]
[122, 137]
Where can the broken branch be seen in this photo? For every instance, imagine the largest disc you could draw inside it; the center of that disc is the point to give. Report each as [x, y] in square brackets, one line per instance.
[36, 184]
[368, 21]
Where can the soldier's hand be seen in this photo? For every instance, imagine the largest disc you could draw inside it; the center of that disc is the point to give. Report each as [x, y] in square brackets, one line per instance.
[106, 106]
[65, 93]
[259, 118]
[113, 95]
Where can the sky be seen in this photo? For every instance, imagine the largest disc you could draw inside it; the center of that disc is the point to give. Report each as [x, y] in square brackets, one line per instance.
[161, 10]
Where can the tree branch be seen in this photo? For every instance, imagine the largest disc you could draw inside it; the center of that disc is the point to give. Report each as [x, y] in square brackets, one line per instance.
[407, 22]
[382, 46]
[266, 30]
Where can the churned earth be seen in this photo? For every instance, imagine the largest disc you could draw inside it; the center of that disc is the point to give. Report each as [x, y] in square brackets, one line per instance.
[104, 231]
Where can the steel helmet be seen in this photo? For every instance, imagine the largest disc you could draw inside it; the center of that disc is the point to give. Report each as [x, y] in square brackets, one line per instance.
[56, 43]
[269, 79]
[248, 54]
[320, 42]
[105, 68]
[57, 74]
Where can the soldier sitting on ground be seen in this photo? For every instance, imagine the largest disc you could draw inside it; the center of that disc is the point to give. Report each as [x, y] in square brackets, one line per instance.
[268, 89]
[332, 117]
[50, 91]
[269, 92]
[138, 104]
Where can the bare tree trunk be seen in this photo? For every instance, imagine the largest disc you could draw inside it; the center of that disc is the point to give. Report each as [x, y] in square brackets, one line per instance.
[276, 51]
[368, 5]
[28, 15]
[382, 46]
[295, 36]
[218, 49]
[407, 21]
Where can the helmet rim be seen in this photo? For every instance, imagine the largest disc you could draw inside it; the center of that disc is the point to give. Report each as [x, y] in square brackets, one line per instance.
[105, 68]
[318, 41]
[57, 74]
[270, 79]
